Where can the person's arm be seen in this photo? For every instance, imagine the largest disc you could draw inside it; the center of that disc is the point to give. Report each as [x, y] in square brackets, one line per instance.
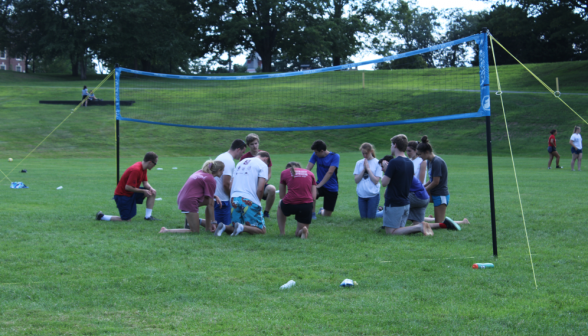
[227, 184]
[358, 174]
[572, 143]
[148, 186]
[260, 187]
[423, 172]
[269, 173]
[147, 192]
[433, 183]
[309, 166]
[209, 213]
[327, 176]
[366, 165]
[314, 192]
[282, 191]
[385, 181]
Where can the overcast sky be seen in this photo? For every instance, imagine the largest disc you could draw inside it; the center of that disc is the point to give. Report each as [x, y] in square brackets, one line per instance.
[474, 5]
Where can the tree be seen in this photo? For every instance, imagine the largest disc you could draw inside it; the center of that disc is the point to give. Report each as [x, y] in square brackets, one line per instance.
[459, 24]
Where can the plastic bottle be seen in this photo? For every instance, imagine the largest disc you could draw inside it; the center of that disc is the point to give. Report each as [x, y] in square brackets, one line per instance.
[482, 265]
[288, 284]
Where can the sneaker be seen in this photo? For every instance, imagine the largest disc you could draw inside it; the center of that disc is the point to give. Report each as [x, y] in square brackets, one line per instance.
[220, 228]
[451, 225]
[238, 229]
[559, 167]
[151, 218]
[548, 167]
[99, 215]
[266, 214]
[314, 215]
[321, 211]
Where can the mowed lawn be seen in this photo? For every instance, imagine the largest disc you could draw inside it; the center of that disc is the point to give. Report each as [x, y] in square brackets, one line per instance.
[63, 272]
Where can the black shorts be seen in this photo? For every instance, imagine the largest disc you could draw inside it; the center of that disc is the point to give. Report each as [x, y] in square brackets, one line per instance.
[302, 212]
[330, 198]
[127, 206]
[264, 197]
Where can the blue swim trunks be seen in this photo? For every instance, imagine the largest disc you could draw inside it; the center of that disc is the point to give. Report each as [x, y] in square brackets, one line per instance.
[247, 213]
[438, 200]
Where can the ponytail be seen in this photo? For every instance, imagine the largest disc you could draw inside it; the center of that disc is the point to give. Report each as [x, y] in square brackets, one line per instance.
[212, 166]
[425, 145]
[293, 165]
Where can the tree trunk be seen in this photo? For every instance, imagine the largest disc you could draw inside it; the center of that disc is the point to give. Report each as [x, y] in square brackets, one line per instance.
[83, 67]
[336, 60]
[74, 66]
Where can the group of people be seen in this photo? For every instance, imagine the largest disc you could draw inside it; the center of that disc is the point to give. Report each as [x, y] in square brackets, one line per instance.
[85, 94]
[232, 194]
[575, 142]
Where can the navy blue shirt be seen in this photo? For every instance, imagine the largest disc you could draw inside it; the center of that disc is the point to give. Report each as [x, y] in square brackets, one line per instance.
[400, 171]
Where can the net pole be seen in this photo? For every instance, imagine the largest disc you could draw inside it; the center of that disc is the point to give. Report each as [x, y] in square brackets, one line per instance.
[117, 75]
[117, 151]
[485, 88]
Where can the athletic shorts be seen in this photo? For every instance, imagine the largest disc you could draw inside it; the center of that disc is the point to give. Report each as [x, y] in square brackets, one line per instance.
[222, 215]
[395, 217]
[127, 206]
[418, 206]
[551, 149]
[330, 198]
[439, 200]
[302, 212]
[246, 212]
[576, 151]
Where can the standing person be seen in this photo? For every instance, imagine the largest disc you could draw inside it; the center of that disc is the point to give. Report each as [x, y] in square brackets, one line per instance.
[199, 191]
[249, 180]
[437, 185]
[552, 150]
[129, 193]
[328, 187]
[269, 192]
[222, 212]
[420, 165]
[576, 142]
[398, 178]
[84, 95]
[368, 174]
[297, 194]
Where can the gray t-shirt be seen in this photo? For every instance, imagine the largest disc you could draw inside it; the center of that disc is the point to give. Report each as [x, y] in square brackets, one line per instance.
[437, 167]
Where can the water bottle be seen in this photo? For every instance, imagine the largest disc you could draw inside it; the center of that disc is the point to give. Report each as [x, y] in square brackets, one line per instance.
[482, 265]
[288, 284]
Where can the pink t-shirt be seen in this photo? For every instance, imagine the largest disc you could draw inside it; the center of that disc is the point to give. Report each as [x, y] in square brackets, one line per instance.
[299, 186]
[198, 186]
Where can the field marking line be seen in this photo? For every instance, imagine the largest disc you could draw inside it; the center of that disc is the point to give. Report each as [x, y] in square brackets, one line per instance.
[511, 153]
[5, 176]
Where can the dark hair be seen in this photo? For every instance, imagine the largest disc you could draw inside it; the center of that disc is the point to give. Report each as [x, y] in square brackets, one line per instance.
[238, 144]
[386, 158]
[292, 165]
[263, 154]
[576, 128]
[85, 87]
[401, 141]
[425, 145]
[553, 131]
[413, 145]
[151, 156]
[319, 145]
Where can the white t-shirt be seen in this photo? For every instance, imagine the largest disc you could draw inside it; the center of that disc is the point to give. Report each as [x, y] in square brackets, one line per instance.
[366, 188]
[227, 159]
[245, 179]
[417, 167]
[577, 139]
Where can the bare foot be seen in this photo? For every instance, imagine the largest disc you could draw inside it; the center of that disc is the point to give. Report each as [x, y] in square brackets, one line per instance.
[163, 230]
[426, 228]
[304, 233]
[466, 221]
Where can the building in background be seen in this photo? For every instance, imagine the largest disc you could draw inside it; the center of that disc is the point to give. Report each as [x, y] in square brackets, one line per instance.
[12, 64]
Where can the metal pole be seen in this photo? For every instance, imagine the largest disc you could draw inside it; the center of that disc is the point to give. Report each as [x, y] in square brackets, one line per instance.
[117, 151]
[491, 183]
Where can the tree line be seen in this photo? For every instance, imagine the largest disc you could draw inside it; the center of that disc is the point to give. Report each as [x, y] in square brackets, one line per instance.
[183, 36]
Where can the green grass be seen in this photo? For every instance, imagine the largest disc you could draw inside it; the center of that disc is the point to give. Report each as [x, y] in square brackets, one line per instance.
[62, 272]
[65, 273]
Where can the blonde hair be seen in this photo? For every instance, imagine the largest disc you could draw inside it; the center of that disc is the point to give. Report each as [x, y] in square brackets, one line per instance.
[251, 137]
[212, 166]
[368, 147]
[292, 165]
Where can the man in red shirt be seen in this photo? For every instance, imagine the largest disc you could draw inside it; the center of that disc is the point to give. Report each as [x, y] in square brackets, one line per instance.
[129, 193]
[269, 193]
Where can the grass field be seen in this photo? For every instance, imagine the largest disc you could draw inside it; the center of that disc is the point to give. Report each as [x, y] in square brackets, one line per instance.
[62, 272]
[65, 273]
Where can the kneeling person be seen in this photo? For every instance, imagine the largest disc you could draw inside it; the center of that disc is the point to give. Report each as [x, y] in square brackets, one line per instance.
[249, 179]
[298, 192]
[129, 193]
[199, 191]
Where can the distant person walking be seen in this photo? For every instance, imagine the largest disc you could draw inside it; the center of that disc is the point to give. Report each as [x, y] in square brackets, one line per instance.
[84, 95]
[552, 150]
[576, 142]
